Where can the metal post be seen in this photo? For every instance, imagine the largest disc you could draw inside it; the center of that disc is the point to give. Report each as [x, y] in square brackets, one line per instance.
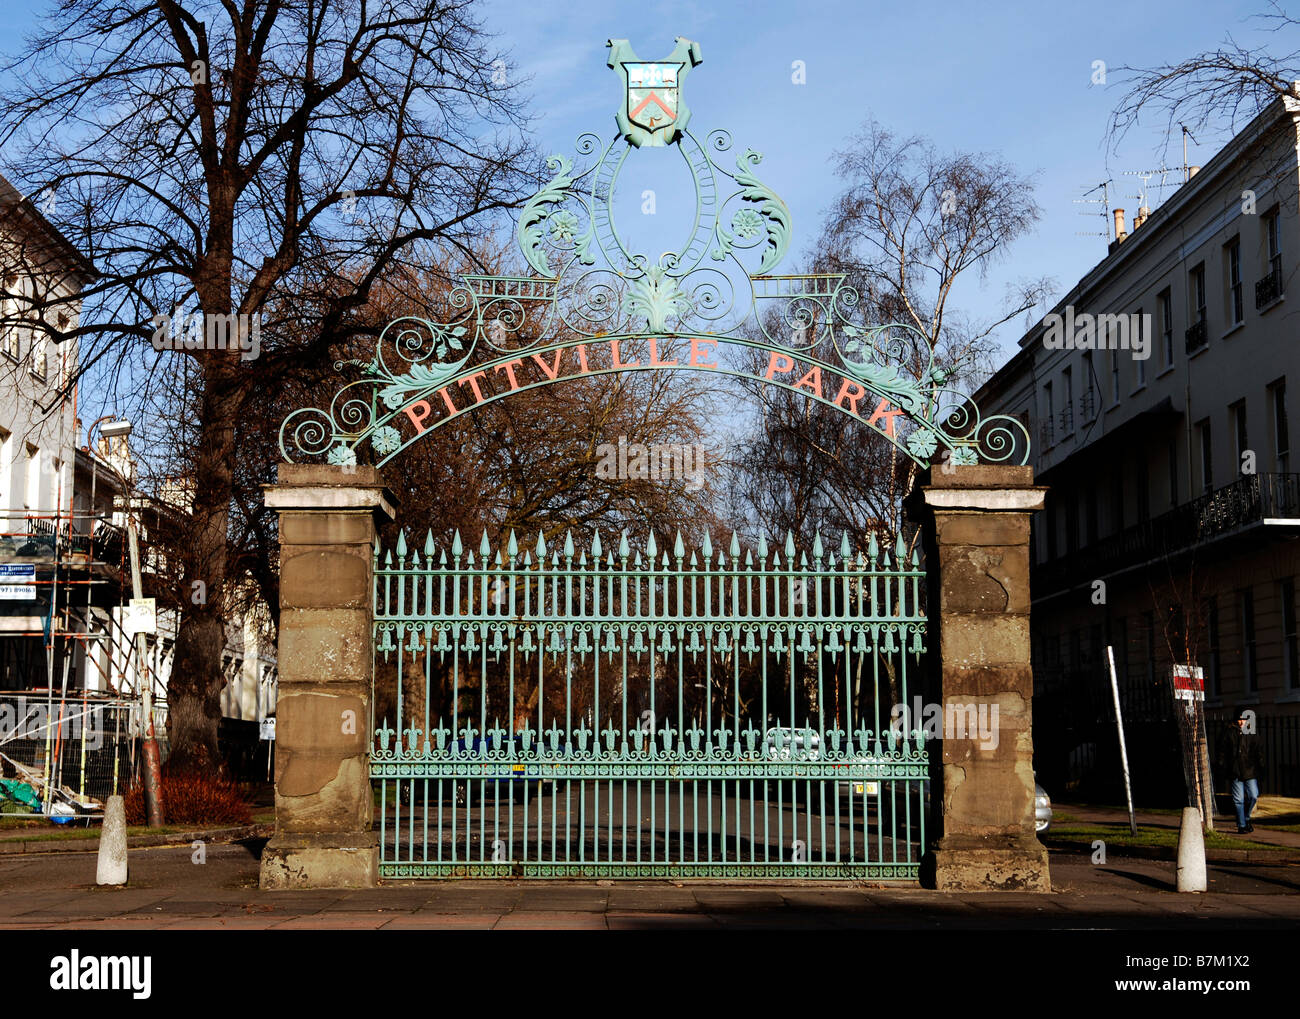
[1123, 750]
[149, 745]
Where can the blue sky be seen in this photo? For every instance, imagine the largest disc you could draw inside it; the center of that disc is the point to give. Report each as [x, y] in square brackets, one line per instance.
[1009, 79]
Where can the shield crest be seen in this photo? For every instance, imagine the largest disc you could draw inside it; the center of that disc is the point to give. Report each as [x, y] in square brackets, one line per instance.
[652, 94]
[652, 111]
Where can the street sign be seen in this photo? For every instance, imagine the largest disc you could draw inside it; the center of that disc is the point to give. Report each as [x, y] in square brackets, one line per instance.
[141, 616]
[1189, 683]
[18, 582]
[268, 729]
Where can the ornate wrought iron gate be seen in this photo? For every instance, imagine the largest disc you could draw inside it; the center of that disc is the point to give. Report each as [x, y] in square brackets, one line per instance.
[647, 713]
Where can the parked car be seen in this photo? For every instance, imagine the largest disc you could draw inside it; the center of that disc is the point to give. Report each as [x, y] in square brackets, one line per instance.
[1042, 810]
[498, 777]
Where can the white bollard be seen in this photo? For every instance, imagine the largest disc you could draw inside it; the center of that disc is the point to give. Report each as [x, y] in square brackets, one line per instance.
[1191, 852]
[111, 868]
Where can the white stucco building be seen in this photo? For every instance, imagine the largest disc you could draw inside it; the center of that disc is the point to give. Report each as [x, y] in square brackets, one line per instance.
[1171, 525]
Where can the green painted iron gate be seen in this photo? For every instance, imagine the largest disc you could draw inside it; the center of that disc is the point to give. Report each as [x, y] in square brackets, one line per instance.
[620, 713]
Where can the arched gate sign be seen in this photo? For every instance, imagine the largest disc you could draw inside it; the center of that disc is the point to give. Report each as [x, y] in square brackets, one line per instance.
[591, 298]
[657, 711]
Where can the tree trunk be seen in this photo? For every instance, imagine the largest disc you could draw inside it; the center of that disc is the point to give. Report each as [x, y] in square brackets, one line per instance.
[193, 692]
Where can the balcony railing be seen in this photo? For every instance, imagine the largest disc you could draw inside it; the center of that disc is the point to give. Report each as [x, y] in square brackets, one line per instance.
[1245, 501]
[1045, 433]
[1067, 420]
[104, 543]
[1197, 336]
[1269, 289]
[1088, 405]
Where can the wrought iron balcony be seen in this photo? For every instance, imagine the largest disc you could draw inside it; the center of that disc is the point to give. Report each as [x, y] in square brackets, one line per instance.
[1045, 432]
[1269, 289]
[1246, 501]
[1067, 420]
[104, 543]
[1197, 336]
[1088, 405]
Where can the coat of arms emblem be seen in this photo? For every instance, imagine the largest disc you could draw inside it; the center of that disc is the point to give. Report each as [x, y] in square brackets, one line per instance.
[653, 113]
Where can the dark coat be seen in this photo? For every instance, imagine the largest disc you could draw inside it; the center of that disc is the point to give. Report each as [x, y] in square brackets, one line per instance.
[1241, 757]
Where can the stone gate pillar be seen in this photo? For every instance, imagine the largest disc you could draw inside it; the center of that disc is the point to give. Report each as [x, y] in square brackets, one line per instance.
[323, 801]
[976, 524]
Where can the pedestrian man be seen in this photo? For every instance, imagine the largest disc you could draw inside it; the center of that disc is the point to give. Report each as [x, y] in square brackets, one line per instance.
[1244, 766]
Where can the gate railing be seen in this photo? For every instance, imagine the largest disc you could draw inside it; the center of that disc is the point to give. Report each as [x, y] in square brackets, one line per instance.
[712, 714]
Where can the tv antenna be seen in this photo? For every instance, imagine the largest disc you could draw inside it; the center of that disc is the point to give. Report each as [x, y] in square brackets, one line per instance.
[1103, 201]
[1146, 176]
[1187, 166]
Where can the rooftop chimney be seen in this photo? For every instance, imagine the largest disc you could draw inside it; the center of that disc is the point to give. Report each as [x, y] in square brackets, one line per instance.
[1143, 214]
[1120, 232]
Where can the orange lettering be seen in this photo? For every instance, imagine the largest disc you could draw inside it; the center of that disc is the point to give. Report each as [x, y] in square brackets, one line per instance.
[882, 411]
[418, 412]
[778, 363]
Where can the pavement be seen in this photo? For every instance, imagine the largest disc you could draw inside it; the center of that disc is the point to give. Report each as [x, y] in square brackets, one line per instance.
[51, 886]
[169, 890]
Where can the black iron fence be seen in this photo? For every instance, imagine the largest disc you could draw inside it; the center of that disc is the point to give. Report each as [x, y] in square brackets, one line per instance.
[1269, 289]
[1076, 742]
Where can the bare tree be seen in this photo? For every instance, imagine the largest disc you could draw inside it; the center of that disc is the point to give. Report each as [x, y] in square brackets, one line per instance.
[910, 224]
[1217, 89]
[1214, 93]
[267, 161]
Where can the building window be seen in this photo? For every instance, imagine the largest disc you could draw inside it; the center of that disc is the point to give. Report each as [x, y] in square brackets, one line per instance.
[1049, 416]
[40, 358]
[1281, 434]
[1207, 459]
[1213, 672]
[1067, 403]
[1290, 645]
[33, 493]
[1173, 472]
[1139, 364]
[1232, 264]
[1269, 289]
[1117, 498]
[1114, 378]
[1088, 400]
[1237, 416]
[1197, 334]
[8, 330]
[1165, 305]
[1249, 661]
[1272, 224]
[1143, 484]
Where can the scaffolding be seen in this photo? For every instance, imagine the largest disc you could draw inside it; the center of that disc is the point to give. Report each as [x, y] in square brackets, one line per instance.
[67, 744]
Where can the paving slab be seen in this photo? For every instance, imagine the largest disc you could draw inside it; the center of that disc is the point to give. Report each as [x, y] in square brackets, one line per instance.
[545, 920]
[443, 921]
